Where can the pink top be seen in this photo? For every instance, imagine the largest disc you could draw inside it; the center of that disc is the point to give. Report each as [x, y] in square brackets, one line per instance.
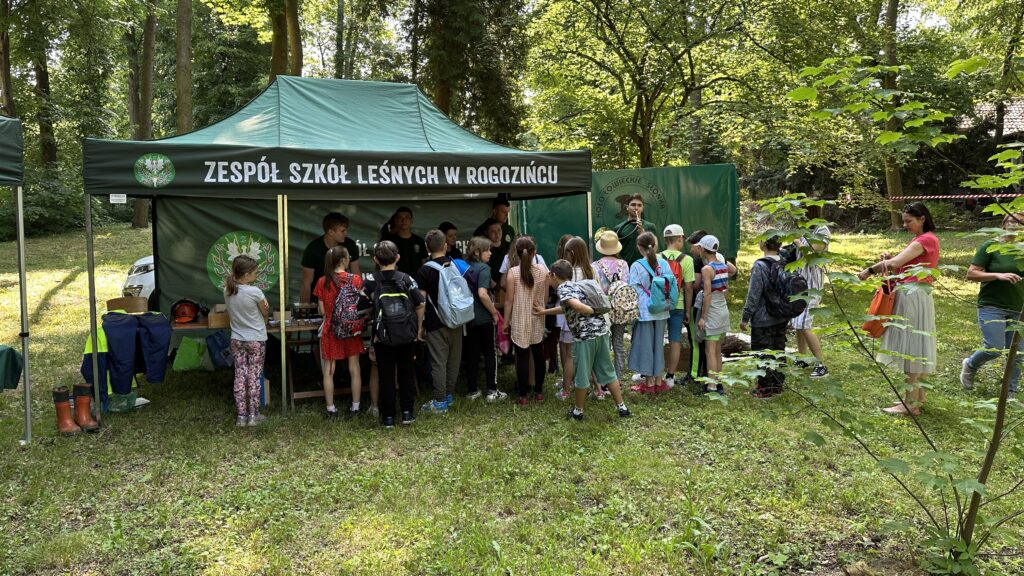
[929, 258]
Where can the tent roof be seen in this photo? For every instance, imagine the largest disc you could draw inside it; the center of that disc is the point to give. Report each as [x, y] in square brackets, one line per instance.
[10, 151]
[368, 127]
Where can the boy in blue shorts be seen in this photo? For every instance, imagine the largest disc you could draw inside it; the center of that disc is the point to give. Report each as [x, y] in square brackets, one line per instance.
[682, 268]
[590, 347]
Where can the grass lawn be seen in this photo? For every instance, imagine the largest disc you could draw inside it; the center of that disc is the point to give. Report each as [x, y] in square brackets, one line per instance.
[687, 486]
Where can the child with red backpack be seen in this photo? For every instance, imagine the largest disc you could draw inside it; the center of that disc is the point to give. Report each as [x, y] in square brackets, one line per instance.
[682, 268]
[337, 293]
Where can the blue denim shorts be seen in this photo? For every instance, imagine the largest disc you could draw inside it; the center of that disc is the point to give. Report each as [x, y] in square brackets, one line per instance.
[675, 325]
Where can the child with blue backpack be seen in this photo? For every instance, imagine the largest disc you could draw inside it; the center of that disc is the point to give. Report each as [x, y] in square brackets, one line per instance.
[657, 294]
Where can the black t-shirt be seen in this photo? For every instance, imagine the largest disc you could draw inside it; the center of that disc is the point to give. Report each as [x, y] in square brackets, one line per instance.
[429, 280]
[412, 251]
[315, 253]
[499, 252]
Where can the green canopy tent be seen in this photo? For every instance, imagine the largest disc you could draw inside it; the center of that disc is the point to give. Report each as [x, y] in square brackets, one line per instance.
[318, 139]
[11, 175]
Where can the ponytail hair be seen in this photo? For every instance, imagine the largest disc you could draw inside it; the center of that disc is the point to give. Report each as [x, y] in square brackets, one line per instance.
[526, 249]
[334, 257]
[648, 245]
[240, 266]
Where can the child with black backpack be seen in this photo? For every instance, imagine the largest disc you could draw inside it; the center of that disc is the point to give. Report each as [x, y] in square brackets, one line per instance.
[337, 294]
[767, 332]
[398, 307]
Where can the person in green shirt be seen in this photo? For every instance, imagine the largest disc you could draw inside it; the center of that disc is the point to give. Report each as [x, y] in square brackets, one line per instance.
[682, 268]
[631, 228]
[1000, 300]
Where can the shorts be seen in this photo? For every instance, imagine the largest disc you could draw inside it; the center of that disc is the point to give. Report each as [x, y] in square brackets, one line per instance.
[713, 337]
[592, 356]
[805, 320]
[675, 325]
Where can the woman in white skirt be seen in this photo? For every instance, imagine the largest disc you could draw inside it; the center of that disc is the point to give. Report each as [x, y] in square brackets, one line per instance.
[914, 343]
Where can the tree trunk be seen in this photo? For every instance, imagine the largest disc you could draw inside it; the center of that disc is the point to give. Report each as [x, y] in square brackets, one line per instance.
[893, 177]
[294, 37]
[696, 129]
[140, 210]
[6, 86]
[47, 139]
[1005, 74]
[131, 44]
[339, 42]
[183, 67]
[279, 41]
[414, 42]
[443, 96]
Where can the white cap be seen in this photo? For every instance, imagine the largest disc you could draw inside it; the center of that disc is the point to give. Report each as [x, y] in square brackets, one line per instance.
[673, 230]
[709, 243]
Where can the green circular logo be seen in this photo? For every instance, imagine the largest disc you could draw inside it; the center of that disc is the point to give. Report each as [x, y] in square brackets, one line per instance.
[154, 170]
[238, 243]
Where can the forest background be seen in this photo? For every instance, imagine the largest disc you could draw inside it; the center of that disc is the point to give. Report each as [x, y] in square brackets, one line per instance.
[638, 82]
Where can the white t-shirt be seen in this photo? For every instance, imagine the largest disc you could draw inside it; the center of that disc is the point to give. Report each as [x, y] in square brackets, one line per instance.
[538, 259]
[247, 322]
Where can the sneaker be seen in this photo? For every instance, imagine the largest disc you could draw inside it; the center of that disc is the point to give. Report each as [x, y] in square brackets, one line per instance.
[256, 419]
[522, 401]
[408, 418]
[661, 386]
[598, 394]
[624, 412]
[449, 400]
[967, 374]
[801, 364]
[495, 396]
[373, 411]
[575, 416]
[561, 395]
[242, 421]
[435, 407]
[538, 397]
[669, 382]
[331, 414]
[474, 395]
[638, 378]
[389, 422]
[819, 371]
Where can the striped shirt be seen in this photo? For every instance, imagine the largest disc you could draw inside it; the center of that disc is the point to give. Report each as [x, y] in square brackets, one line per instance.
[720, 281]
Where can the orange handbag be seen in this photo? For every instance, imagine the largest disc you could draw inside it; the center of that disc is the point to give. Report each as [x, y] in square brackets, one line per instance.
[881, 305]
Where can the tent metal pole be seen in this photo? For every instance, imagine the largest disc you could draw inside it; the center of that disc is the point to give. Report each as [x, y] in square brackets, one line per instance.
[19, 201]
[590, 218]
[282, 247]
[90, 264]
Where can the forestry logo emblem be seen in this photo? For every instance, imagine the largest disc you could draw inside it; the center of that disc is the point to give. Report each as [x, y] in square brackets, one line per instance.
[610, 202]
[243, 243]
[154, 170]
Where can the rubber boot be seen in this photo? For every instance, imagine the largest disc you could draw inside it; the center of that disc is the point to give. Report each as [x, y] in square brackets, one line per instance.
[83, 403]
[65, 424]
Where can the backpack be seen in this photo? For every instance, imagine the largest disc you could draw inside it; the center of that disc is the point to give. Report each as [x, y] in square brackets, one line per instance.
[219, 347]
[663, 294]
[394, 322]
[781, 288]
[595, 296]
[625, 306]
[454, 304]
[676, 266]
[351, 310]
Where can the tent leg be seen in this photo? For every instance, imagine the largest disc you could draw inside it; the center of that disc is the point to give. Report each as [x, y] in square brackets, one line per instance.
[590, 218]
[19, 202]
[93, 331]
[282, 260]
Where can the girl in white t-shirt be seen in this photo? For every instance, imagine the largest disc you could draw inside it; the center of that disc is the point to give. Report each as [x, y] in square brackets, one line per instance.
[247, 310]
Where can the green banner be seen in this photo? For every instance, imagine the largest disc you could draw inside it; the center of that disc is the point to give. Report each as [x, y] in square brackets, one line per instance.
[695, 197]
[196, 238]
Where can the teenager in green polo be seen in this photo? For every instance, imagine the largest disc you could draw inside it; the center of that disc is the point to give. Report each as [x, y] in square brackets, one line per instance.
[631, 229]
[999, 302]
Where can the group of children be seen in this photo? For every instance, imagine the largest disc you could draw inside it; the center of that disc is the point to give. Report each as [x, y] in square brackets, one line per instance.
[662, 292]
